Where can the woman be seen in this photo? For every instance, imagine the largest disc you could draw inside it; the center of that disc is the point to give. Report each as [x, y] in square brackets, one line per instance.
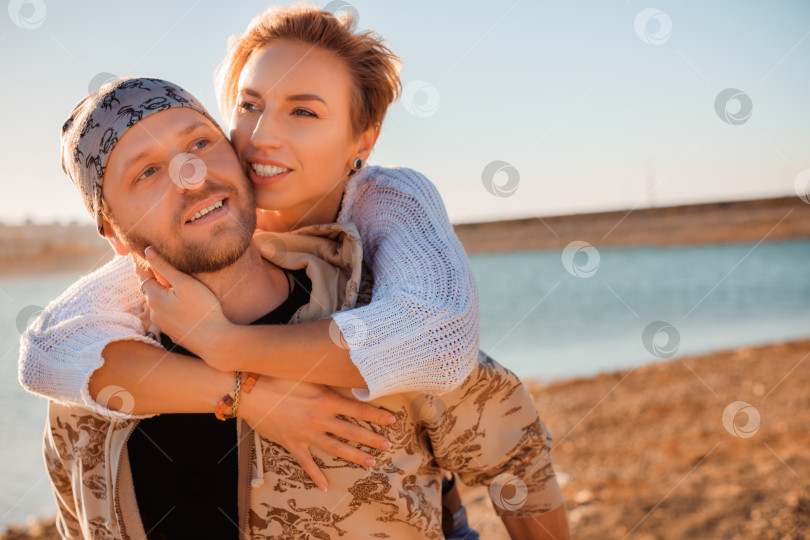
[420, 331]
[305, 103]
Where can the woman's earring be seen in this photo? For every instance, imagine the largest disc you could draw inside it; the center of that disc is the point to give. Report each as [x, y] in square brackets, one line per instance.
[357, 165]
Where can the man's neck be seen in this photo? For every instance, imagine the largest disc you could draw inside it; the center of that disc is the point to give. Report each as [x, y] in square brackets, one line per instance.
[249, 288]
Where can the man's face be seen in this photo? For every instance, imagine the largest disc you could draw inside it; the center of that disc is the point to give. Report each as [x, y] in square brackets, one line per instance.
[199, 216]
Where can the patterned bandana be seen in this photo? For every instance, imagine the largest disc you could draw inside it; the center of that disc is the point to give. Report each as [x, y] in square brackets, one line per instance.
[99, 121]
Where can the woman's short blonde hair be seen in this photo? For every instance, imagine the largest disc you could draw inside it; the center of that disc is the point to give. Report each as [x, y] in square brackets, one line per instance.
[373, 68]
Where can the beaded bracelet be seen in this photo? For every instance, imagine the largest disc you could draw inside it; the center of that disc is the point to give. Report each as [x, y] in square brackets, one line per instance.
[229, 403]
[250, 382]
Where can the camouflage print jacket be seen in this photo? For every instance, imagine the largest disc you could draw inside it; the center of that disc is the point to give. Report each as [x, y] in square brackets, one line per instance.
[487, 430]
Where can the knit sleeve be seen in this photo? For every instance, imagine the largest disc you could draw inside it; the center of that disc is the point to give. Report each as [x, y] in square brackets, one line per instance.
[420, 331]
[62, 348]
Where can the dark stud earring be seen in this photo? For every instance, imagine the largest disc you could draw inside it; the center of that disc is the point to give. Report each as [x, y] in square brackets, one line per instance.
[358, 163]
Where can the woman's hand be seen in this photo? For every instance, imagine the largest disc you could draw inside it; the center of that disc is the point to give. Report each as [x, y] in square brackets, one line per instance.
[182, 307]
[298, 415]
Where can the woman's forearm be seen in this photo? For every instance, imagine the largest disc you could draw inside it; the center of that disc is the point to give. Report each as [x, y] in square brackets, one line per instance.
[156, 381]
[299, 352]
[293, 414]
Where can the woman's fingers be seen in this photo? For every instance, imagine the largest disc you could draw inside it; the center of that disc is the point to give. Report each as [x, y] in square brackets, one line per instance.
[304, 458]
[166, 274]
[358, 434]
[364, 411]
[143, 272]
[340, 449]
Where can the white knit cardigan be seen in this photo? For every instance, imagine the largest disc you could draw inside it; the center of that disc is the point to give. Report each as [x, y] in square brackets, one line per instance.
[419, 333]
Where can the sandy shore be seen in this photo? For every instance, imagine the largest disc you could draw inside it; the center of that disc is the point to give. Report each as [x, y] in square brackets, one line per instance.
[644, 454]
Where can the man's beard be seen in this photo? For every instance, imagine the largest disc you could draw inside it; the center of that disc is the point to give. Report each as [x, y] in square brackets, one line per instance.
[200, 256]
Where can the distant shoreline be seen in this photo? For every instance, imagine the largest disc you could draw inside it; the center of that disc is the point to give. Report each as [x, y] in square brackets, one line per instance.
[36, 249]
[786, 218]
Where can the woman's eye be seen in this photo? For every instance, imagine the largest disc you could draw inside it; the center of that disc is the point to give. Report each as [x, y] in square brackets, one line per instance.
[247, 107]
[306, 113]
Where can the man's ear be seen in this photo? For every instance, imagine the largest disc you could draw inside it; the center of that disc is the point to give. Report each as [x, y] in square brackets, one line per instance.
[367, 141]
[114, 240]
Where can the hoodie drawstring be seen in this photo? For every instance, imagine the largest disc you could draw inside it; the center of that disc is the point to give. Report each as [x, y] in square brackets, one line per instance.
[258, 480]
[110, 523]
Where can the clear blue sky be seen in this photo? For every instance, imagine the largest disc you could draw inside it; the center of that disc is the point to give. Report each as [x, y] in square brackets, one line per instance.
[590, 115]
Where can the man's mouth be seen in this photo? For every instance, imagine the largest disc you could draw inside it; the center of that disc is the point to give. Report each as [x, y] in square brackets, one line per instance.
[268, 171]
[205, 211]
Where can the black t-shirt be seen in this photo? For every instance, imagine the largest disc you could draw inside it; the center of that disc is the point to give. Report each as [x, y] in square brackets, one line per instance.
[184, 466]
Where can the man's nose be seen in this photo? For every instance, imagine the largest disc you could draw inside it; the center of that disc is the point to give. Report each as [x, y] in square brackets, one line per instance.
[188, 172]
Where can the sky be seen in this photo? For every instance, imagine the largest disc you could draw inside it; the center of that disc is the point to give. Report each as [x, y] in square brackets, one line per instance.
[516, 109]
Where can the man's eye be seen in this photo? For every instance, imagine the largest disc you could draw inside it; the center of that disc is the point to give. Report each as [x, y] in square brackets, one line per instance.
[306, 113]
[147, 173]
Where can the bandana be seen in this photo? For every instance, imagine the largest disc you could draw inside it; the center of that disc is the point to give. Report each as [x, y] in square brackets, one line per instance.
[98, 122]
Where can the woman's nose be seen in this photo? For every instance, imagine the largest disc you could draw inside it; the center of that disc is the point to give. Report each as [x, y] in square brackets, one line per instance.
[267, 132]
[188, 172]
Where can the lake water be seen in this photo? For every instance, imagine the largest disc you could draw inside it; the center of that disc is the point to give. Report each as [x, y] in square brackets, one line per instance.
[538, 317]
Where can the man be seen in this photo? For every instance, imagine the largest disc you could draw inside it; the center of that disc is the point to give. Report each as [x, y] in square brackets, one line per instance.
[487, 430]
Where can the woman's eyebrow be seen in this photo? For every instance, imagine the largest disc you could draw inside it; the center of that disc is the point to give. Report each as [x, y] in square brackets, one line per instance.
[305, 97]
[292, 97]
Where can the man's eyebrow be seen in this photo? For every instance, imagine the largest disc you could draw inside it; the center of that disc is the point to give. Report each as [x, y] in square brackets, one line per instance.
[184, 132]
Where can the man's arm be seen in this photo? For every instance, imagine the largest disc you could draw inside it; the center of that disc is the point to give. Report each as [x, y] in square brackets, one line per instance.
[489, 432]
[552, 525]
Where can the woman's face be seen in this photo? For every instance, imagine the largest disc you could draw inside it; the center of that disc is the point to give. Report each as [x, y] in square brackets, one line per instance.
[292, 130]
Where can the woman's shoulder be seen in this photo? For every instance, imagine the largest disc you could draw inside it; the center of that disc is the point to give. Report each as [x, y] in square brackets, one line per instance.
[376, 183]
[398, 178]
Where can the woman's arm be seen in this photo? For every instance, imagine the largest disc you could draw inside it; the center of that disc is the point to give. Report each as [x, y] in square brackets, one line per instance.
[142, 380]
[62, 348]
[419, 333]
